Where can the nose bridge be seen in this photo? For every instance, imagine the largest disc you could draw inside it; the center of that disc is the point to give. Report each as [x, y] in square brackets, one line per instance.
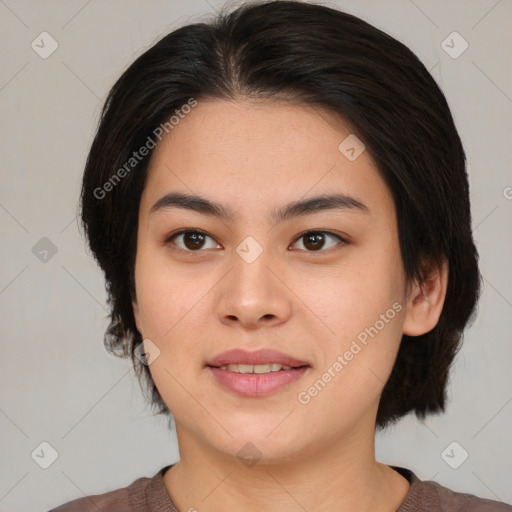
[252, 292]
[252, 277]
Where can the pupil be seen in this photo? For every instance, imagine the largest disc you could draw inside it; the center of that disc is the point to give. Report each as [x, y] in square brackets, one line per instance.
[317, 241]
[196, 239]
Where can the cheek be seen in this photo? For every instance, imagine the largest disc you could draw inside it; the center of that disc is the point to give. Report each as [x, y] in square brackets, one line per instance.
[165, 295]
[351, 297]
[361, 310]
[171, 303]
[355, 363]
[166, 305]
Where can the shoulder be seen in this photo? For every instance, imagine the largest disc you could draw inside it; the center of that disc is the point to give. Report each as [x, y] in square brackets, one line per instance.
[431, 496]
[113, 501]
[463, 502]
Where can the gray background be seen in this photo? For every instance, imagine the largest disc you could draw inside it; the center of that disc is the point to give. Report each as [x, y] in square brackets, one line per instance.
[59, 385]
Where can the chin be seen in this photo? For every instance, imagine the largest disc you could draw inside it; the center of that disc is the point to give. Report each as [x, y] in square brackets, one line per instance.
[252, 444]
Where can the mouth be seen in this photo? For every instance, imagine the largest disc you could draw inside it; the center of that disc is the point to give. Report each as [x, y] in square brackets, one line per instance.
[255, 368]
[256, 374]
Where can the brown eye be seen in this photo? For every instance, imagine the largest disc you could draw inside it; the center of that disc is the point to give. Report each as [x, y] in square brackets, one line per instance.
[315, 241]
[191, 240]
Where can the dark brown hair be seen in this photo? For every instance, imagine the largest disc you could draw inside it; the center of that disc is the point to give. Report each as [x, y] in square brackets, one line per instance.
[317, 56]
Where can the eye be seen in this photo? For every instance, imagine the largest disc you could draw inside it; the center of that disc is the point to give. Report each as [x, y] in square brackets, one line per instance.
[315, 241]
[191, 240]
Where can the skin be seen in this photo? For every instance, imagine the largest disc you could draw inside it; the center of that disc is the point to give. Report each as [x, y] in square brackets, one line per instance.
[311, 304]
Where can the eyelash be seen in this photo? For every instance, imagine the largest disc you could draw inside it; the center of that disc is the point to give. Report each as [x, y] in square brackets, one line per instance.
[173, 236]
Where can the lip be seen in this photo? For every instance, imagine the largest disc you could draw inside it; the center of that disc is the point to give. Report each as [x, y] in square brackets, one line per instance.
[256, 384]
[261, 356]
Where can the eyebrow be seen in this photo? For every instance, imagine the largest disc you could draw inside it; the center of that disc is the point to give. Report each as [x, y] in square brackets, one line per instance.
[294, 209]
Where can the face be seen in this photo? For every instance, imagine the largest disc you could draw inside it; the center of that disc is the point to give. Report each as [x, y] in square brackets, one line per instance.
[313, 297]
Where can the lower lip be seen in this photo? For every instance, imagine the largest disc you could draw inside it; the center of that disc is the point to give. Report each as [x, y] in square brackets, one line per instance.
[256, 384]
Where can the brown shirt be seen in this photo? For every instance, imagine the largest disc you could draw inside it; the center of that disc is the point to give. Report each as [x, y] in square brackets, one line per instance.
[149, 495]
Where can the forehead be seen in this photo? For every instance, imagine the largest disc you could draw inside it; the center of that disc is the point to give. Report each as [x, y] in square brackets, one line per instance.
[269, 152]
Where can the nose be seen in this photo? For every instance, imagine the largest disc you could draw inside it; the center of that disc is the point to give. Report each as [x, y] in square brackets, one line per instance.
[253, 294]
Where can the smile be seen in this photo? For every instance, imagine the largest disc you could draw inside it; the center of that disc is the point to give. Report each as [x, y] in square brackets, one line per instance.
[255, 368]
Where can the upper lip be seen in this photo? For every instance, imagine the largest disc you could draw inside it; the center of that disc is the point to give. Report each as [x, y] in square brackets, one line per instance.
[261, 356]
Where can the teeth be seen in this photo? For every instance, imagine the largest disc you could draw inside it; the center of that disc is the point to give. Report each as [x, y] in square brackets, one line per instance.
[244, 368]
[255, 368]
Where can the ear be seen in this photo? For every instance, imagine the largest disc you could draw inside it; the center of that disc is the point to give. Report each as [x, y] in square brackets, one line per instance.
[425, 301]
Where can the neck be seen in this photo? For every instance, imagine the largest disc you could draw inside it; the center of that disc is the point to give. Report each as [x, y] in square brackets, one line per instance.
[343, 477]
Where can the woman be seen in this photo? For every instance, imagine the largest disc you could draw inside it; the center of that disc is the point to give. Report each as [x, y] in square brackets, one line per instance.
[280, 205]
